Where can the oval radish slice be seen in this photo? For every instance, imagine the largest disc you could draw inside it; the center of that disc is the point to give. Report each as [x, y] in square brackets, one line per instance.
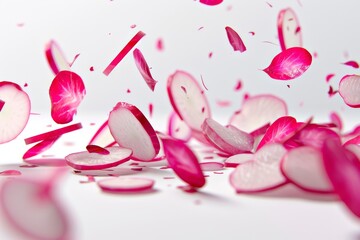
[144, 69]
[289, 30]
[177, 128]
[126, 185]
[103, 137]
[304, 167]
[211, 166]
[132, 130]
[96, 161]
[238, 159]
[349, 89]
[40, 147]
[235, 40]
[56, 58]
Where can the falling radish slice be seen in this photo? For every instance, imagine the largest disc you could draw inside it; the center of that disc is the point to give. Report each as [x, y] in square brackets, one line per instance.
[238, 159]
[211, 166]
[126, 185]
[258, 111]
[143, 68]
[304, 167]
[15, 111]
[97, 161]
[211, 2]
[67, 90]
[56, 58]
[235, 40]
[103, 137]
[184, 162]
[352, 64]
[261, 174]
[289, 30]
[178, 128]
[132, 130]
[40, 147]
[289, 64]
[349, 89]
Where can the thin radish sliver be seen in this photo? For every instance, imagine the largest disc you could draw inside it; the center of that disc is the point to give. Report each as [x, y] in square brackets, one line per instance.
[211, 2]
[235, 40]
[10, 173]
[126, 185]
[40, 147]
[238, 159]
[211, 166]
[289, 30]
[50, 162]
[103, 137]
[352, 64]
[97, 149]
[349, 89]
[144, 70]
[177, 128]
[56, 58]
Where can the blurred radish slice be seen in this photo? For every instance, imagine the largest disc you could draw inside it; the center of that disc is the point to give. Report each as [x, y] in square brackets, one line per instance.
[103, 137]
[289, 64]
[230, 140]
[211, 166]
[335, 118]
[144, 69]
[289, 30]
[10, 173]
[261, 174]
[178, 128]
[184, 162]
[238, 159]
[40, 147]
[132, 130]
[349, 89]
[15, 113]
[355, 140]
[95, 161]
[351, 64]
[235, 40]
[53, 134]
[133, 41]
[343, 169]
[126, 185]
[2, 103]
[304, 167]
[97, 149]
[258, 111]
[67, 90]
[260, 131]
[354, 148]
[48, 162]
[211, 2]
[56, 58]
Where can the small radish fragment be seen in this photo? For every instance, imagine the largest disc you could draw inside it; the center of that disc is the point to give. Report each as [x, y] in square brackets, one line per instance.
[143, 68]
[289, 30]
[10, 173]
[178, 128]
[238, 159]
[97, 149]
[132, 130]
[40, 147]
[2, 103]
[335, 118]
[103, 137]
[56, 58]
[349, 90]
[352, 64]
[211, 2]
[126, 185]
[212, 166]
[235, 40]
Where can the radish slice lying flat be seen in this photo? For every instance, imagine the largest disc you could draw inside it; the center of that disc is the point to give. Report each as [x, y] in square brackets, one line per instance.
[126, 185]
[238, 159]
[304, 167]
[40, 147]
[10, 173]
[143, 68]
[132, 130]
[15, 111]
[177, 128]
[211, 166]
[67, 90]
[289, 30]
[235, 40]
[261, 174]
[349, 89]
[56, 58]
[96, 161]
[103, 137]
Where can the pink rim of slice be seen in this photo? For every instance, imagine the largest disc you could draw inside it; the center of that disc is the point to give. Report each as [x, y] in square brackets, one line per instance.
[238, 159]
[133, 41]
[211, 2]
[95, 161]
[212, 166]
[2, 103]
[132, 130]
[40, 147]
[177, 128]
[303, 166]
[103, 137]
[235, 40]
[336, 119]
[10, 173]
[126, 185]
[289, 30]
[55, 57]
[97, 149]
[184, 162]
[355, 140]
[144, 69]
[260, 131]
[349, 90]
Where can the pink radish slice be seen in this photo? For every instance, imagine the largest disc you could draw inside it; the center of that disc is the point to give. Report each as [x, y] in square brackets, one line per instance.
[354, 149]
[235, 40]
[97, 149]
[289, 64]
[132, 130]
[211, 2]
[355, 140]
[238, 159]
[184, 162]
[261, 174]
[260, 131]
[335, 118]
[230, 140]
[15, 111]
[144, 70]
[288, 29]
[352, 64]
[103, 137]
[2, 103]
[56, 58]
[67, 90]
[349, 90]
[211, 166]
[126, 185]
[40, 147]
[95, 161]
[343, 169]
[304, 167]
[258, 111]
[10, 173]
[178, 128]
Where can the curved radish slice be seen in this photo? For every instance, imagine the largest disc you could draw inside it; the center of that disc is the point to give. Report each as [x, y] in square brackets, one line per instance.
[258, 111]
[103, 137]
[238, 159]
[230, 140]
[143, 68]
[235, 40]
[304, 167]
[355, 140]
[177, 128]
[211, 2]
[211, 166]
[15, 111]
[56, 58]
[40, 147]
[184, 162]
[97, 149]
[67, 90]
[289, 64]
[349, 90]
[10, 173]
[95, 161]
[343, 169]
[261, 174]
[132, 130]
[289, 30]
[352, 64]
[335, 118]
[126, 185]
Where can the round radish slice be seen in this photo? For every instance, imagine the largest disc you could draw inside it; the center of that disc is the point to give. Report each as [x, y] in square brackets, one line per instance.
[349, 89]
[103, 137]
[178, 128]
[56, 58]
[15, 111]
[238, 159]
[289, 30]
[211, 166]
[126, 185]
[96, 161]
[132, 130]
[304, 167]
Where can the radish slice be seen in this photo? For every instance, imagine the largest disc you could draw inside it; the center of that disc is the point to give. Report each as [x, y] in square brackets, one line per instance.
[211, 166]
[2, 103]
[143, 68]
[97, 149]
[352, 64]
[349, 89]
[211, 2]
[261, 174]
[289, 30]
[49, 162]
[258, 111]
[304, 167]
[126, 185]
[67, 90]
[238, 159]
[355, 140]
[103, 137]
[354, 149]
[132, 130]
[178, 128]
[10, 173]
[40, 147]
[235, 40]
[335, 118]
[56, 58]
[96, 161]
[184, 162]
[289, 64]
[15, 111]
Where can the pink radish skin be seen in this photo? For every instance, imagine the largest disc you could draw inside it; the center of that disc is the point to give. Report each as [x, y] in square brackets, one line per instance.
[287, 25]
[126, 185]
[40, 147]
[211, 2]
[211, 166]
[97, 149]
[235, 40]
[56, 58]
[144, 69]
[103, 137]
[238, 159]
[349, 90]
[178, 128]
[354, 149]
